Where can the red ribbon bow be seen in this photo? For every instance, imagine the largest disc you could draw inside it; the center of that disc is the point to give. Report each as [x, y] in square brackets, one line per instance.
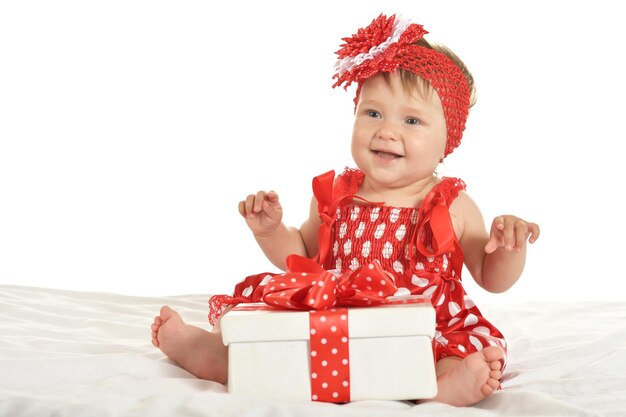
[323, 191]
[327, 203]
[308, 286]
[434, 234]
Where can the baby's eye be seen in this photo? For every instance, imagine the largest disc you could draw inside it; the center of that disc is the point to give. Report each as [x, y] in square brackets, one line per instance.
[373, 113]
[413, 121]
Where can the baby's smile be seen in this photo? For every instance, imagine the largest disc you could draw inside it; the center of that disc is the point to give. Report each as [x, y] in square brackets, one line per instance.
[386, 154]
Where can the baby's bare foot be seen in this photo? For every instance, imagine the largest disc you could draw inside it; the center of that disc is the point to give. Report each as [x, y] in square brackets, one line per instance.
[198, 351]
[470, 380]
[165, 328]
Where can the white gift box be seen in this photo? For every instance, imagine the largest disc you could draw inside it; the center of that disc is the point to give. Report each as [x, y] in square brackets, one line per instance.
[390, 352]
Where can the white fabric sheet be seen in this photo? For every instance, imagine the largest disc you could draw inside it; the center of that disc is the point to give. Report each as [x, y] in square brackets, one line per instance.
[74, 354]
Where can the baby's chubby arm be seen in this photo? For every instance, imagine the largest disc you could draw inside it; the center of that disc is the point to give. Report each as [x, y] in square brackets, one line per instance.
[505, 252]
[496, 258]
[263, 214]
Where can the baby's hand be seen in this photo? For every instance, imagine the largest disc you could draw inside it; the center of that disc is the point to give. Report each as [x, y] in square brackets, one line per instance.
[262, 212]
[510, 232]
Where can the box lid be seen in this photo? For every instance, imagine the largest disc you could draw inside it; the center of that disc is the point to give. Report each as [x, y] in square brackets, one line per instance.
[245, 324]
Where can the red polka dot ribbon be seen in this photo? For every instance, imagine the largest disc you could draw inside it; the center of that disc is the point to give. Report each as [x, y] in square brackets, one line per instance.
[306, 285]
[330, 355]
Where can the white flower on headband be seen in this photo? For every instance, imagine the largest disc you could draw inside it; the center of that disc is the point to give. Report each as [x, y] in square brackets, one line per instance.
[350, 62]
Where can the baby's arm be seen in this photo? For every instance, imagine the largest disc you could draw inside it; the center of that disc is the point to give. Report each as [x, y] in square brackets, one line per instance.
[506, 251]
[495, 259]
[263, 214]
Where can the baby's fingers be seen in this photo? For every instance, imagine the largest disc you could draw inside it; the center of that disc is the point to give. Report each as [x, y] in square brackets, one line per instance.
[248, 207]
[521, 234]
[492, 245]
[534, 231]
[242, 208]
[271, 206]
[272, 197]
[258, 201]
[495, 235]
[505, 230]
[511, 232]
[525, 231]
[262, 201]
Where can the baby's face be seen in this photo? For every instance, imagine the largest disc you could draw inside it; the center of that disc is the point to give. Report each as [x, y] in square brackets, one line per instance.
[398, 138]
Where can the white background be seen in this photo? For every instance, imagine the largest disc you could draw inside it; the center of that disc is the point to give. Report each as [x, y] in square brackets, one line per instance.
[130, 130]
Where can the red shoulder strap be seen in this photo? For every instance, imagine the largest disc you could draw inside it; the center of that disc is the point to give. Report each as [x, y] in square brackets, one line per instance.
[330, 194]
[434, 234]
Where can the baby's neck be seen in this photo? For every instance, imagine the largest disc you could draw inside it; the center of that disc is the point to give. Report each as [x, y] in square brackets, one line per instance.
[410, 195]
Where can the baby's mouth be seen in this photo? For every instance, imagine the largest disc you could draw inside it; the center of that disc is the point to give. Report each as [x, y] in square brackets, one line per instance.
[386, 155]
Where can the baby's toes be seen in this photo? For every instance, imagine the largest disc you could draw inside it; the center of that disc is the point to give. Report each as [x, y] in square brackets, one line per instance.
[487, 389]
[154, 327]
[495, 375]
[493, 383]
[495, 365]
[154, 333]
[493, 354]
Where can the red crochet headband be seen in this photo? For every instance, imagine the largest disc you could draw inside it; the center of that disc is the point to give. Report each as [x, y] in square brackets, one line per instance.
[387, 44]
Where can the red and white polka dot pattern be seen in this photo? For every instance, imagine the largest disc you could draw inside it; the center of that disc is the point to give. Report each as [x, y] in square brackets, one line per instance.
[307, 286]
[330, 355]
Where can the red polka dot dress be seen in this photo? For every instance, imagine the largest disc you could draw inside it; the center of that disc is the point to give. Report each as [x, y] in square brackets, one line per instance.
[364, 232]
[416, 246]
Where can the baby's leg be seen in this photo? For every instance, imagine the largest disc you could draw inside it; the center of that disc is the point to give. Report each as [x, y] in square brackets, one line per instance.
[466, 381]
[198, 351]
